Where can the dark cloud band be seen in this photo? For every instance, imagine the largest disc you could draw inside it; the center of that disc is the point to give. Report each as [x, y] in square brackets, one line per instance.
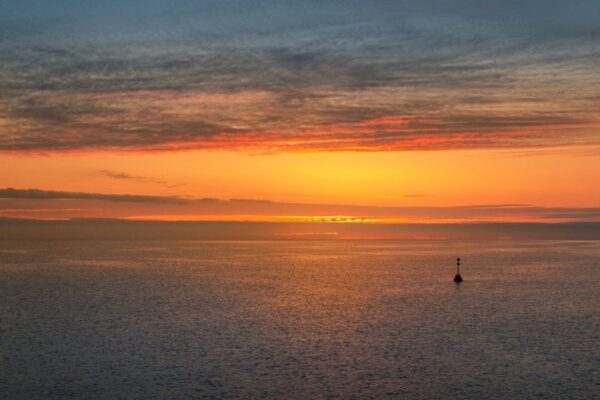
[37, 194]
[59, 204]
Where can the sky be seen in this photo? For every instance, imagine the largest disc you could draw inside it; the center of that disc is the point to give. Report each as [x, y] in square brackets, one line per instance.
[375, 112]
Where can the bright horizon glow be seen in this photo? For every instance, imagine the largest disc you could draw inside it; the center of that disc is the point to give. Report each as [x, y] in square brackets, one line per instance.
[413, 179]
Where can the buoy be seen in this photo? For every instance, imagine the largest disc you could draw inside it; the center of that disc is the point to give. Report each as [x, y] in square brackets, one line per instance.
[457, 277]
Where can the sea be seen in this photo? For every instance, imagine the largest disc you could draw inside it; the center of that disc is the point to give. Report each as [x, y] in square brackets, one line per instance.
[299, 320]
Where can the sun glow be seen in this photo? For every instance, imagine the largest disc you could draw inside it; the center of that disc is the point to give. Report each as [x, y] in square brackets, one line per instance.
[332, 218]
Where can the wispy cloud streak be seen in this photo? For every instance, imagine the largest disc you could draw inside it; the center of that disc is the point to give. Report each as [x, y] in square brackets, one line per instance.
[36, 203]
[137, 178]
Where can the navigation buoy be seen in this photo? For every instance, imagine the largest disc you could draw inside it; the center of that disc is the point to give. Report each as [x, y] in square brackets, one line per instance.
[457, 277]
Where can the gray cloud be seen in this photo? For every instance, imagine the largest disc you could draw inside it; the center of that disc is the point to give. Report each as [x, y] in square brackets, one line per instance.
[55, 204]
[38, 194]
[138, 178]
[113, 77]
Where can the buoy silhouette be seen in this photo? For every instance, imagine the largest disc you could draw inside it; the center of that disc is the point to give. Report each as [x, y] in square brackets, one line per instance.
[457, 277]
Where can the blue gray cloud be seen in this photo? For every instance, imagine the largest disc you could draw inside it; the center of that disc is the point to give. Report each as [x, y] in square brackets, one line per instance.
[297, 75]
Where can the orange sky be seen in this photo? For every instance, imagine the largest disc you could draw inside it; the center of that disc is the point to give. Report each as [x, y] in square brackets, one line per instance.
[371, 111]
[544, 178]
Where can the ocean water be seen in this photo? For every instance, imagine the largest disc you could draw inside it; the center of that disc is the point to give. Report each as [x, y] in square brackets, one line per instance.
[299, 320]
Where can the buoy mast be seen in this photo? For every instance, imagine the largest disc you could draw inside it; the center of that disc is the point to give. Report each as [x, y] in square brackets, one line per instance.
[457, 277]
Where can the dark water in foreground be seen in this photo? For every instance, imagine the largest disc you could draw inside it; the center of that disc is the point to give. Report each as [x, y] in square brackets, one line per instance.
[184, 320]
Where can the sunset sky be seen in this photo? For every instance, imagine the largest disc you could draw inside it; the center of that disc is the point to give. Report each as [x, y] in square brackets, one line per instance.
[301, 111]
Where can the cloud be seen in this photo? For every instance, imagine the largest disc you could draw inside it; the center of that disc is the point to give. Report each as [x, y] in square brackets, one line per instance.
[38, 194]
[269, 76]
[138, 178]
[36, 203]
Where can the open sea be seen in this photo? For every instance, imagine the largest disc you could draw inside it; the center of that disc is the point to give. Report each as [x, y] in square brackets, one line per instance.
[299, 320]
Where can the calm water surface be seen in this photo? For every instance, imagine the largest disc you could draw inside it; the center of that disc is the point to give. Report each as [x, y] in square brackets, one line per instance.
[331, 319]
